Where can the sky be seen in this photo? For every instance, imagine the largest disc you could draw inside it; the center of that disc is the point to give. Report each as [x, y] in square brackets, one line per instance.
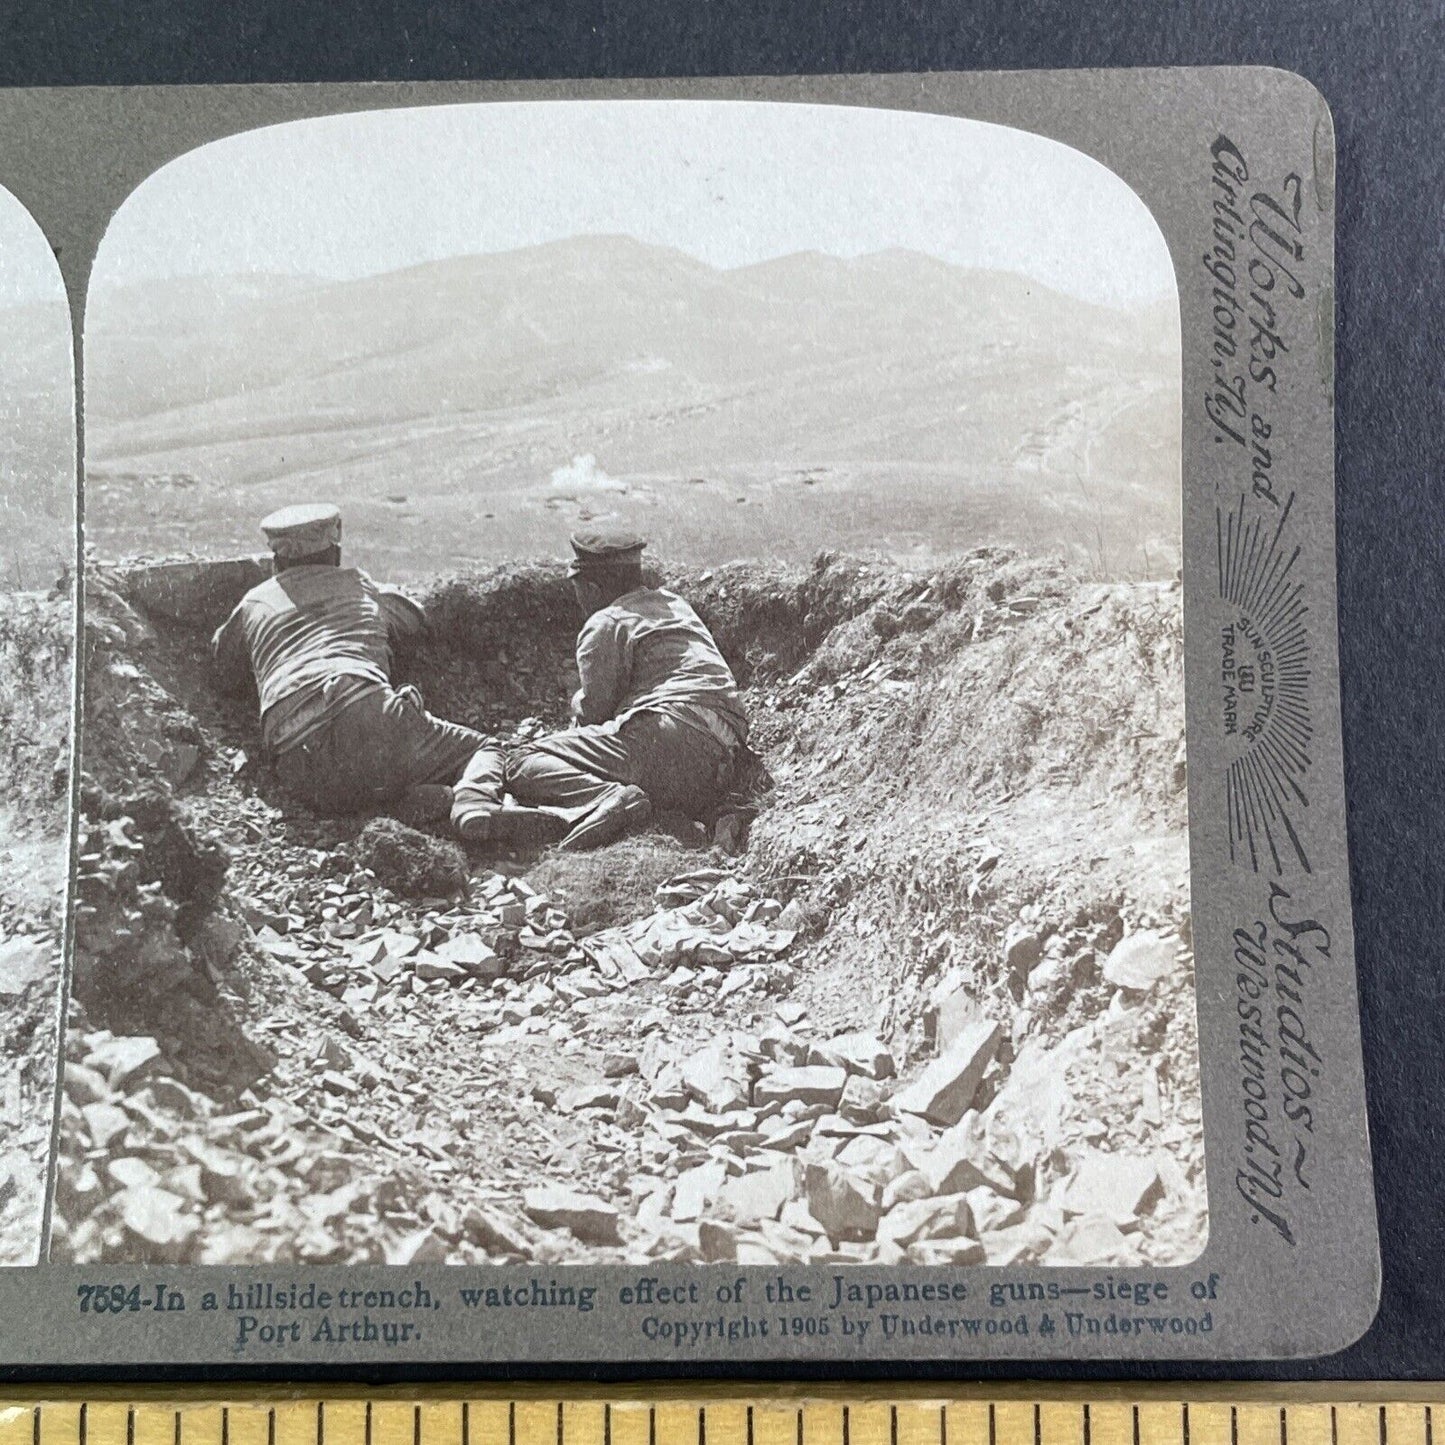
[37, 416]
[28, 268]
[726, 181]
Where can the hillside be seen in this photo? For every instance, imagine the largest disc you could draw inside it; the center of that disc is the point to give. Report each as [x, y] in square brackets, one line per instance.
[37, 446]
[922, 991]
[473, 409]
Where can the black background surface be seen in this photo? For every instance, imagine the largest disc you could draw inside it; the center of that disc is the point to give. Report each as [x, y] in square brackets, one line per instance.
[1381, 66]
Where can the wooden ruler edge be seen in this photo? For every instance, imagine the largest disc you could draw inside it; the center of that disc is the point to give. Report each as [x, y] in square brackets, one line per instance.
[703, 1393]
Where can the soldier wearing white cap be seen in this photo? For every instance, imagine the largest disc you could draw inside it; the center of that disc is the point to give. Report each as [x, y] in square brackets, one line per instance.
[660, 722]
[318, 637]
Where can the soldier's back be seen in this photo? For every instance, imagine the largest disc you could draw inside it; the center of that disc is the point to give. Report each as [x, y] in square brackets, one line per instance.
[312, 622]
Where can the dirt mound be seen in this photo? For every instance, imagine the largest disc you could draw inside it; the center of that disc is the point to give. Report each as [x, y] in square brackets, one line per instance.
[612, 886]
[410, 862]
[881, 1013]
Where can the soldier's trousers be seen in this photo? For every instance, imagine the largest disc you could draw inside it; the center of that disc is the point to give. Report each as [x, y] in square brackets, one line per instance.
[679, 767]
[381, 745]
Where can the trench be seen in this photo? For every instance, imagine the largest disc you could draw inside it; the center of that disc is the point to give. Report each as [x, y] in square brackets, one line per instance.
[957, 814]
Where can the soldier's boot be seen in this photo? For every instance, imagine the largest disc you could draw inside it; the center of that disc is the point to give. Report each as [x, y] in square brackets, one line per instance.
[623, 807]
[473, 821]
[424, 803]
[509, 826]
[478, 795]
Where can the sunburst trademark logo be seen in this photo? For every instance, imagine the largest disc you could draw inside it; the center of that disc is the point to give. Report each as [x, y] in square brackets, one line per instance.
[1251, 689]
[1264, 711]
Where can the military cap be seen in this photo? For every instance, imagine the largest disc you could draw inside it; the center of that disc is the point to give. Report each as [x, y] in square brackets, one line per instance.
[604, 549]
[303, 529]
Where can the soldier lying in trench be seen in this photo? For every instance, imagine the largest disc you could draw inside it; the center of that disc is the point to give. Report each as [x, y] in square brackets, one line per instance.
[660, 722]
[318, 639]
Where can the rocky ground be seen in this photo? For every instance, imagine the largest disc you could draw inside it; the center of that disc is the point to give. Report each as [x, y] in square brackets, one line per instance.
[35, 702]
[30, 971]
[922, 991]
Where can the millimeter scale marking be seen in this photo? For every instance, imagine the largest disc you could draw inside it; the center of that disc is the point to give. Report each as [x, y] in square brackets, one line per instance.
[1384, 1414]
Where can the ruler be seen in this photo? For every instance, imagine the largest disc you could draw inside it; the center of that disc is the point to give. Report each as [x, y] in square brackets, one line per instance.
[1384, 1414]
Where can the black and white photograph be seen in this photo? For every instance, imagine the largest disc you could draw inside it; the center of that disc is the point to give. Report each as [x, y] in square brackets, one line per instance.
[37, 626]
[634, 701]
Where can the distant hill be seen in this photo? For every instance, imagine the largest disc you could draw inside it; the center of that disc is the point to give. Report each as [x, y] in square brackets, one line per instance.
[37, 445]
[478, 407]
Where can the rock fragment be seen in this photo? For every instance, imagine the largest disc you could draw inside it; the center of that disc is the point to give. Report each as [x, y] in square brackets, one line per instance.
[811, 1084]
[696, 1189]
[132, 1173]
[953, 1253]
[716, 1241]
[863, 1100]
[474, 955]
[1022, 949]
[960, 1161]
[711, 1077]
[24, 960]
[430, 967]
[493, 1232]
[845, 1205]
[879, 1161]
[786, 1134]
[955, 1009]
[84, 1084]
[782, 1046]
[858, 1053]
[163, 1223]
[124, 1061]
[588, 1218]
[1140, 960]
[1022, 1243]
[992, 1211]
[947, 1086]
[942, 1216]
[760, 1193]
[911, 1184]
[1115, 1186]
[587, 1096]
[105, 1123]
[1093, 1240]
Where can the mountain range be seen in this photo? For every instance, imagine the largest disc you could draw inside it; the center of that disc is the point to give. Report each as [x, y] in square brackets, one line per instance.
[478, 407]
